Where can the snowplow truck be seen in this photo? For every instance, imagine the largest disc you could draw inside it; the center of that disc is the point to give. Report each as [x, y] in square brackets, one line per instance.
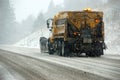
[76, 32]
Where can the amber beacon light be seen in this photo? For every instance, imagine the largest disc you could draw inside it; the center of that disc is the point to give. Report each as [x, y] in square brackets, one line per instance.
[87, 9]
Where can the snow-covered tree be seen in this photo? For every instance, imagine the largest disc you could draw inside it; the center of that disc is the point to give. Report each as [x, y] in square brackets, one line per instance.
[39, 22]
[6, 22]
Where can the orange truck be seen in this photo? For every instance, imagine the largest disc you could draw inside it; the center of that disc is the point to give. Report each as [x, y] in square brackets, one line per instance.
[76, 32]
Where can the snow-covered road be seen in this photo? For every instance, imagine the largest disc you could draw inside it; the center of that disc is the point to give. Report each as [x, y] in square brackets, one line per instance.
[30, 64]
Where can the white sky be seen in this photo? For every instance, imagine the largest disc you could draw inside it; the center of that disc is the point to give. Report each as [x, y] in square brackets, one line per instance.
[24, 8]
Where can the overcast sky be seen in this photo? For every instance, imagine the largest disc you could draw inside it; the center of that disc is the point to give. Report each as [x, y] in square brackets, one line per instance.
[24, 8]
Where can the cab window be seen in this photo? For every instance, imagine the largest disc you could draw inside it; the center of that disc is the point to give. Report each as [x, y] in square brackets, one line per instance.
[60, 21]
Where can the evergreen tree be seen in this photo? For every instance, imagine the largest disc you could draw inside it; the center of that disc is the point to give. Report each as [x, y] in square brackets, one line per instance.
[39, 22]
[51, 10]
[6, 21]
[27, 25]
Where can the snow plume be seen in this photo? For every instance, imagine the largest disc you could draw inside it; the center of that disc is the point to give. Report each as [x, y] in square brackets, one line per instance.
[112, 26]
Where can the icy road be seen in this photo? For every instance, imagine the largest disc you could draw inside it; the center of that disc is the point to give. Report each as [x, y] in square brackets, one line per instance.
[28, 64]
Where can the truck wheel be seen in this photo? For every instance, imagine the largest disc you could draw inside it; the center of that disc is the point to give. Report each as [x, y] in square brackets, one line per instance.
[50, 48]
[99, 52]
[50, 51]
[59, 49]
[65, 50]
[92, 54]
[88, 54]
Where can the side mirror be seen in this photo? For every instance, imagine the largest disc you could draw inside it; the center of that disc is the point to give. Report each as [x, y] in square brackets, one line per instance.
[47, 24]
[50, 29]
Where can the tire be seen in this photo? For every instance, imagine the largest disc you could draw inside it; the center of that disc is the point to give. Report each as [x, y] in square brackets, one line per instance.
[92, 54]
[65, 51]
[59, 49]
[50, 48]
[98, 51]
[88, 54]
[50, 51]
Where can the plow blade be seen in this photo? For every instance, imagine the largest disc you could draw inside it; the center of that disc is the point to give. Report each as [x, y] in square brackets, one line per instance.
[43, 44]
